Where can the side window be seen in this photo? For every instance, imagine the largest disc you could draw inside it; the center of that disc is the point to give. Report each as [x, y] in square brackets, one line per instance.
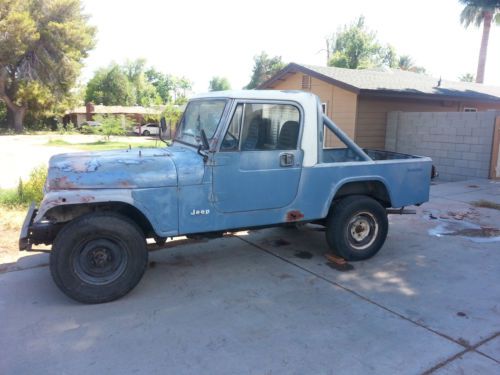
[232, 138]
[270, 127]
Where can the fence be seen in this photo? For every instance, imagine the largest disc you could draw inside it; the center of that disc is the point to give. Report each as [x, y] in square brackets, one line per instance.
[460, 143]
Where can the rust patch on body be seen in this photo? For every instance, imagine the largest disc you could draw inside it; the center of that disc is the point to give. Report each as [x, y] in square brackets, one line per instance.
[87, 198]
[125, 183]
[294, 215]
[61, 183]
[79, 165]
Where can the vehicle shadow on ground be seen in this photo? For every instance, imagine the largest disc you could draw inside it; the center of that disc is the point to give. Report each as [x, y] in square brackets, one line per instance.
[30, 260]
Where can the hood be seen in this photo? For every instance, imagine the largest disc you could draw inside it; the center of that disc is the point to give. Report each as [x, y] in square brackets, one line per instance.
[118, 169]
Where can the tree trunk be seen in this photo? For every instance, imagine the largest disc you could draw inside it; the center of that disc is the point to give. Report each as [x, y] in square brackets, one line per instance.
[16, 117]
[484, 47]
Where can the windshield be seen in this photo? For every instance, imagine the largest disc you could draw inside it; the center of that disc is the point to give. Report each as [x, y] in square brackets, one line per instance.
[200, 114]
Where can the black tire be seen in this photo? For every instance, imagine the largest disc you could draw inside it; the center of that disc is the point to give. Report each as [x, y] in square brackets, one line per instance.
[357, 227]
[146, 133]
[98, 257]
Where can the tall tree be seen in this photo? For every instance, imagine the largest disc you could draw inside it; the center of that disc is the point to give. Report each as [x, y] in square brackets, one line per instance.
[479, 12]
[264, 68]
[219, 84]
[3, 114]
[42, 47]
[181, 87]
[164, 83]
[110, 86]
[405, 62]
[144, 91]
[132, 84]
[356, 47]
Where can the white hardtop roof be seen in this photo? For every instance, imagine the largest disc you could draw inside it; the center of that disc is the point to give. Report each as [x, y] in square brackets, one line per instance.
[295, 95]
[308, 101]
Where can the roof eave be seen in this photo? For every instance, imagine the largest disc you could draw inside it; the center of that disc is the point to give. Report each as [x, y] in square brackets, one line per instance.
[428, 96]
[295, 68]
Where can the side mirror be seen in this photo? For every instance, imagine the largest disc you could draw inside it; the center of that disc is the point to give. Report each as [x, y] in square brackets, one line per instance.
[165, 131]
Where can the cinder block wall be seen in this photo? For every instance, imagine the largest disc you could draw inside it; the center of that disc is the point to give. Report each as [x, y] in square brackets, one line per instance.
[459, 143]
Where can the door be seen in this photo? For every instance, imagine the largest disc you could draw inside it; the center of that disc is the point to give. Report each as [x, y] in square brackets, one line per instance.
[259, 163]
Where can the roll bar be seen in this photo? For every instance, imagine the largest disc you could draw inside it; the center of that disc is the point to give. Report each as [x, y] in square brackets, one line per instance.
[344, 138]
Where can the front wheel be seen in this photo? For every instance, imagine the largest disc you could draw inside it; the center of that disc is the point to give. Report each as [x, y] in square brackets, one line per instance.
[146, 133]
[357, 227]
[98, 258]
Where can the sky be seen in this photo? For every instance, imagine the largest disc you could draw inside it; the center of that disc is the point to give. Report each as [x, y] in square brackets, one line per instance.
[202, 39]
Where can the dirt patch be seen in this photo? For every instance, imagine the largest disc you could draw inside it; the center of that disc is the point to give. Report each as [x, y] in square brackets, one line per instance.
[455, 224]
[11, 220]
[468, 214]
[477, 232]
[486, 204]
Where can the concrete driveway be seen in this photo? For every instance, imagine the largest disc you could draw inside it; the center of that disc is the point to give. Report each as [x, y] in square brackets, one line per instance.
[269, 302]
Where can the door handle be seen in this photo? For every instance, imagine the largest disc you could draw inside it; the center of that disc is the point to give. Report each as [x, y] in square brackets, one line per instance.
[286, 159]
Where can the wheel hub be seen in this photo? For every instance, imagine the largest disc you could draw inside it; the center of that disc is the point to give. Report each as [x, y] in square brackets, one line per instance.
[100, 261]
[100, 257]
[362, 230]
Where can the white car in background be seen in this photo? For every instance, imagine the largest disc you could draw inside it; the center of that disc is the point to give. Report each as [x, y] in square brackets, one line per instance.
[90, 123]
[147, 129]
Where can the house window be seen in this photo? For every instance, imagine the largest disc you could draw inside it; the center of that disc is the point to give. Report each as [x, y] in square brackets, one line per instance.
[470, 109]
[323, 107]
[306, 82]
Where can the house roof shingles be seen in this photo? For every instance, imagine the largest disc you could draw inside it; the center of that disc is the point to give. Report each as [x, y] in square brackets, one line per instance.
[392, 81]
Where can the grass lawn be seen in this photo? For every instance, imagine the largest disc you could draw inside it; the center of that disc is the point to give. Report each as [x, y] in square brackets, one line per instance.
[102, 145]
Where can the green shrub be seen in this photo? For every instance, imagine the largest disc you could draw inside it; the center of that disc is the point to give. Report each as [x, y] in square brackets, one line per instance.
[112, 125]
[69, 128]
[87, 129]
[32, 190]
[27, 191]
[9, 197]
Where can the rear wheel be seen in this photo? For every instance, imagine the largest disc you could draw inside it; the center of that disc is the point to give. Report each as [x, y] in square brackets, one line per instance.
[357, 227]
[146, 133]
[98, 258]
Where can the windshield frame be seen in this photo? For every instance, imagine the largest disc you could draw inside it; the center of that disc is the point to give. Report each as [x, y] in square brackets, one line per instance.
[197, 139]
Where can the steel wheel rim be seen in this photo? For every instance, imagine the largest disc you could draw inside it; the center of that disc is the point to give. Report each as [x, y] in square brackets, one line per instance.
[100, 261]
[362, 230]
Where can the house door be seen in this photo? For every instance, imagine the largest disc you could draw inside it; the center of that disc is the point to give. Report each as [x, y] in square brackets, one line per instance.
[259, 163]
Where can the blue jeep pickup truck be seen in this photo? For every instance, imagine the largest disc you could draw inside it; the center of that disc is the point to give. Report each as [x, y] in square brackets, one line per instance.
[239, 159]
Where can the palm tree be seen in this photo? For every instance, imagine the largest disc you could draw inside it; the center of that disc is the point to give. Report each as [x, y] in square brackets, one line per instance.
[481, 12]
[405, 62]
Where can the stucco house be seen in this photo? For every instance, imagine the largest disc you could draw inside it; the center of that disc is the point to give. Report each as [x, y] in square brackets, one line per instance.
[359, 100]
